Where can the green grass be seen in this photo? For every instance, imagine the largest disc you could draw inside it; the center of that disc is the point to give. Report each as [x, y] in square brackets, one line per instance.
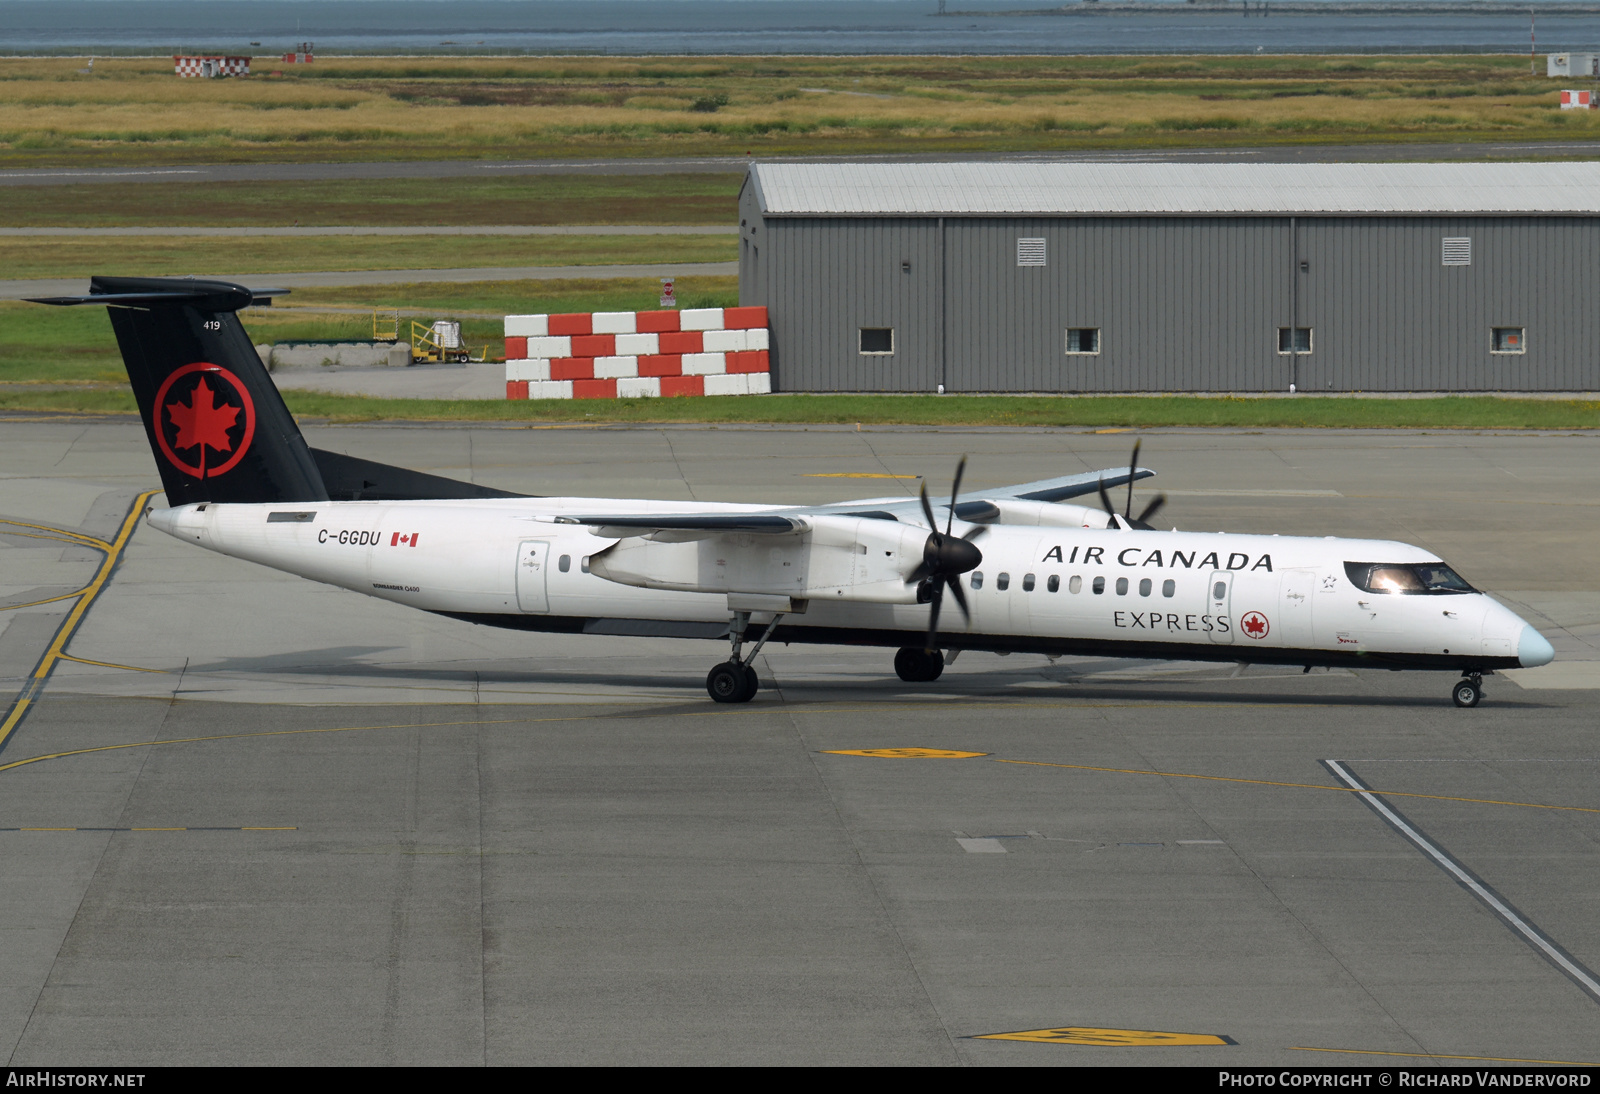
[520, 199]
[161, 256]
[71, 345]
[525, 297]
[1107, 411]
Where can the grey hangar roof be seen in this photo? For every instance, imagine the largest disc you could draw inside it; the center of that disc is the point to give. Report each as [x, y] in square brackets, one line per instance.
[1175, 189]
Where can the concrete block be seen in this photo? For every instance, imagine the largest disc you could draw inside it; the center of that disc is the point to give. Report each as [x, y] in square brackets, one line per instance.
[613, 322]
[536, 368]
[724, 341]
[639, 345]
[700, 319]
[527, 326]
[639, 387]
[704, 364]
[736, 384]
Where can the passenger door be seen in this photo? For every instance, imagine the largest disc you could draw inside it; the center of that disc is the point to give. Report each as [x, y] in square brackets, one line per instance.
[533, 555]
[1295, 608]
[1219, 597]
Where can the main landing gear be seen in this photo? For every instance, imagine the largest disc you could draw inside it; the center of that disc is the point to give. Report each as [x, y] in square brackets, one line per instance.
[918, 666]
[1468, 690]
[735, 680]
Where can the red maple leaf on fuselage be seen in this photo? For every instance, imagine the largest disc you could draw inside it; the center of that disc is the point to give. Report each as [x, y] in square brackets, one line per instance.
[1254, 624]
[204, 420]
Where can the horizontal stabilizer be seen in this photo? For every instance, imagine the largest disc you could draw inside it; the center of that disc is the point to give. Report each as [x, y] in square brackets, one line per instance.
[350, 478]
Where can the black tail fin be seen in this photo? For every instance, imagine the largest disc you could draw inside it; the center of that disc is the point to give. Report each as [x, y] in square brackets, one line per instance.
[217, 425]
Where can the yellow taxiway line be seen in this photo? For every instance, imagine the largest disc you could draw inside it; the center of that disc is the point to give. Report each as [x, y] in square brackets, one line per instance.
[69, 626]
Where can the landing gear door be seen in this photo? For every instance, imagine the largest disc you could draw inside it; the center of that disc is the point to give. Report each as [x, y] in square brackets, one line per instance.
[533, 556]
[1220, 595]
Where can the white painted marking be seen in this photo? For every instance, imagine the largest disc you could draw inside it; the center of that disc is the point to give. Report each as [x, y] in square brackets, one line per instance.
[981, 846]
[1578, 974]
[1200, 842]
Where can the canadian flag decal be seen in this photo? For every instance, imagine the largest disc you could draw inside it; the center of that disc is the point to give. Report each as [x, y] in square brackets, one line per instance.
[401, 540]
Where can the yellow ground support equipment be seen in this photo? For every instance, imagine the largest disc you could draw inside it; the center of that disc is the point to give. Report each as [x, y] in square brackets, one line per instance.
[386, 325]
[441, 341]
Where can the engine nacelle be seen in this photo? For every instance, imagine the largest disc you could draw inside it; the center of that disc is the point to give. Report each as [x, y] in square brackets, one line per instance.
[836, 558]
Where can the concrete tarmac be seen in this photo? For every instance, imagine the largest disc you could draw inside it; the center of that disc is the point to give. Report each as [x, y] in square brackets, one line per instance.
[436, 169]
[289, 824]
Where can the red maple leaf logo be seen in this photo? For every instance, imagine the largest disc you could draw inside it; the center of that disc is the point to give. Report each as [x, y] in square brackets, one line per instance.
[204, 420]
[1255, 625]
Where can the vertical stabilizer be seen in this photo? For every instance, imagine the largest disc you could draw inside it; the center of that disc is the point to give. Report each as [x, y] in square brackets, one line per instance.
[217, 426]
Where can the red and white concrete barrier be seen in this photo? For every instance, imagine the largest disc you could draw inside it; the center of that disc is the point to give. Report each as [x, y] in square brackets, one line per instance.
[643, 354]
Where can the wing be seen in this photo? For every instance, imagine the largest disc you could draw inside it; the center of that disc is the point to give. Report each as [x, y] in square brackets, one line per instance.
[980, 506]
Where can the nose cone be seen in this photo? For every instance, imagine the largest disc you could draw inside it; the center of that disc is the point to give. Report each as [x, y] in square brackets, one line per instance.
[1533, 650]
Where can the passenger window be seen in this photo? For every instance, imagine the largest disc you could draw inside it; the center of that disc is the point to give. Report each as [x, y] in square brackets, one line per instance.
[1122, 586]
[583, 564]
[1054, 584]
[1002, 581]
[1144, 587]
[1219, 591]
[565, 564]
[1099, 585]
[976, 580]
[1075, 584]
[1169, 587]
[1027, 583]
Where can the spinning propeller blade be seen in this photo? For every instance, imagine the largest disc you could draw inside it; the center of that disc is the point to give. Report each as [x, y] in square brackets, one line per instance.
[945, 557]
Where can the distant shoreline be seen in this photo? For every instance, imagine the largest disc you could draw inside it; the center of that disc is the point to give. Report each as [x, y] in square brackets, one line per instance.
[1268, 8]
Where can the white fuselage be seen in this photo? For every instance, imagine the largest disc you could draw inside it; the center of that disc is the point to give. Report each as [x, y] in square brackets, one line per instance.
[1219, 596]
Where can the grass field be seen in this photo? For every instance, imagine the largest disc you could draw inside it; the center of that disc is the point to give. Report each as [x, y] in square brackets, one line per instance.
[153, 256]
[44, 345]
[136, 111]
[1101, 411]
[524, 199]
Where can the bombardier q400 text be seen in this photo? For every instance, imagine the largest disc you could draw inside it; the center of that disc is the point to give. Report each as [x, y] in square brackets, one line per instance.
[1050, 577]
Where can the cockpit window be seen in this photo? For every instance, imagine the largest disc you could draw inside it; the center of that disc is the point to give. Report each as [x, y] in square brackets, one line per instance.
[1406, 579]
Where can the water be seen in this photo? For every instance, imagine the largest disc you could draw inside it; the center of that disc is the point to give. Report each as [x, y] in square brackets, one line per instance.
[734, 27]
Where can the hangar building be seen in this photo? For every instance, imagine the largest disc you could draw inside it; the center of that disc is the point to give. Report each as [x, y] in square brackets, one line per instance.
[1175, 277]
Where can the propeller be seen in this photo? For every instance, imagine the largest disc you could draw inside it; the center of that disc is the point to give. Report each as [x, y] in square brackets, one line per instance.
[945, 557]
[1126, 517]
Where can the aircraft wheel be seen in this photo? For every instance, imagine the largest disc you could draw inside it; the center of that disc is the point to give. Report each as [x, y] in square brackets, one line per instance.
[1466, 693]
[752, 682]
[916, 666]
[731, 683]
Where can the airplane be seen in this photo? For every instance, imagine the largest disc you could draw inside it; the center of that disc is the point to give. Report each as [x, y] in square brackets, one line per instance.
[1051, 577]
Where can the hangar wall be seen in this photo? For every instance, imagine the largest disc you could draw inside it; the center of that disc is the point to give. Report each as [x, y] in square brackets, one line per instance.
[1182, 303]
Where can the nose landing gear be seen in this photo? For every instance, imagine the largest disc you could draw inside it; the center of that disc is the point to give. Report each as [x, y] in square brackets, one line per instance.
[1468, 690]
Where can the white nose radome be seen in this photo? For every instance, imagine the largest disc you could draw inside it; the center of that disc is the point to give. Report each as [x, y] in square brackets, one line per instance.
[1533, 649]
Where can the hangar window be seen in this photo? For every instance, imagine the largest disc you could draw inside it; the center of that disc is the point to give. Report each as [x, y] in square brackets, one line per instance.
[1054, 584]
[1301, 341]
[1508, 340]
[1030, 252]
[1083, 341]
[1002, 581]
[565, 564]
[1099, 585]
[1075, 585]
[877, 341]
[1458, 251]
[1027, 583]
